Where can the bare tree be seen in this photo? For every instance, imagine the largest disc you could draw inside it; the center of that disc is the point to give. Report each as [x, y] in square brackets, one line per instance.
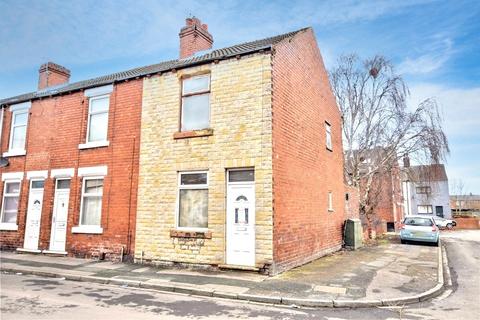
[457, 187]
[378, 128]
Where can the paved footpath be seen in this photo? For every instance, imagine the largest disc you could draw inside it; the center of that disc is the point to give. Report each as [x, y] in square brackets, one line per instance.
[386, 271]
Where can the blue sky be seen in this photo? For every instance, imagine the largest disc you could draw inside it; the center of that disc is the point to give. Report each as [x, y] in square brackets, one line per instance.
[434, 44]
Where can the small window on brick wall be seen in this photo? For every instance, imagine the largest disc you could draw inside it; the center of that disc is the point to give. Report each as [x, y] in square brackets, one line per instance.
[195, 113]
[330, 201]
[328, 133]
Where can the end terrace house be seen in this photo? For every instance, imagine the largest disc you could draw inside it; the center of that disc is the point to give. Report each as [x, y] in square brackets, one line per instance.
[70, 165]
[241, 162]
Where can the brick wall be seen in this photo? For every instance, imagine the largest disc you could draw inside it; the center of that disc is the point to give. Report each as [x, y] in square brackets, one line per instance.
[56, 127]
[304, 171]
[352, 205]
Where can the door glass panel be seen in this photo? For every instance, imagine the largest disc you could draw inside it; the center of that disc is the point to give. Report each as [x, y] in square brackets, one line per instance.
[241, 175]
[63, 184]
[39, 184]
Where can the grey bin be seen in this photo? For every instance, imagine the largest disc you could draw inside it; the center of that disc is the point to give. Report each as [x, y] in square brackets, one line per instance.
[353, 234]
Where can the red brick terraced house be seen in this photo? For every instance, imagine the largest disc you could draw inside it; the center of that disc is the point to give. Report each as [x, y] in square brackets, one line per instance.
[71, 154]
[229, 158]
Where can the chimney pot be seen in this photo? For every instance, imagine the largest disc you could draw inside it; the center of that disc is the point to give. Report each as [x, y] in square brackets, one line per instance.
[52, 74]
[194, 37]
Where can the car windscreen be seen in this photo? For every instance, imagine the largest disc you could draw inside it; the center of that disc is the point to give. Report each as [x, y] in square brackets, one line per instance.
[423, 222]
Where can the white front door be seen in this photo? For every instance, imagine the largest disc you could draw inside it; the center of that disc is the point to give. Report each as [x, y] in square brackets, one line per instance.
[34, 214]
[60, 213]
[240, 218]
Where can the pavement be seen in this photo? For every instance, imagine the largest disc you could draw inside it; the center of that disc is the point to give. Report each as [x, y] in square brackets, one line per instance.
[384, 274]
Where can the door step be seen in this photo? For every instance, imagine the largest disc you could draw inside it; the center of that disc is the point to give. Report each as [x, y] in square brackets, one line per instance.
[29, 250]
[57, 253]
[238, 267]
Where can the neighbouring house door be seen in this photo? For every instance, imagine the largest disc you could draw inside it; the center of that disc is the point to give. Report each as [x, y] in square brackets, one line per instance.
[240, 245]
[60, 213]
[439, 211]
[34, 214]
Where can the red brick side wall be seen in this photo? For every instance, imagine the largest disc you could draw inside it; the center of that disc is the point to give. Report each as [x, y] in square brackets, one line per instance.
[352, 205]
[303, 169]
[56, 127]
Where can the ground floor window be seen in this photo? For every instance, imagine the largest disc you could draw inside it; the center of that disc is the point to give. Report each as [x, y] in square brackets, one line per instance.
[193, 200]
[424, 209]
[91, 206]
[11, 194]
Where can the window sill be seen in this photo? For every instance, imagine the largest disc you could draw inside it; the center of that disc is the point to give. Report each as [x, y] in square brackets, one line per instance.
[90, 145]
[193, 134]
[9, 226]
[331, 210]
[88, 229]
[175, 233]
[14, 153]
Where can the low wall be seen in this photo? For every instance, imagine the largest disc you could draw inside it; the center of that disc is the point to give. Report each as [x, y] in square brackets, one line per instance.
[467, 223]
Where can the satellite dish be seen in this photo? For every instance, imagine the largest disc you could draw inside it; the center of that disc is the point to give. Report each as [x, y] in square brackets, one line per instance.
[4, 162]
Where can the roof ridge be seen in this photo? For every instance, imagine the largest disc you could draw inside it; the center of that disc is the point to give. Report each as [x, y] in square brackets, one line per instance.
[162, 66]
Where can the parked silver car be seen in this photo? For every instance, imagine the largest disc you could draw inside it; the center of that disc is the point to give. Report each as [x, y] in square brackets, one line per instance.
[417, 228]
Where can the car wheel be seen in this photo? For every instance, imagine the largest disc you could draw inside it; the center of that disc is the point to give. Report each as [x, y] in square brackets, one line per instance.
[435, 244]
[403, 241]
[449, 226]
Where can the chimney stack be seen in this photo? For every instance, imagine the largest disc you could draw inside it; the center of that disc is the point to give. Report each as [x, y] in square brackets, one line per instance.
[51, 74]
[194, 37]
[406, 161]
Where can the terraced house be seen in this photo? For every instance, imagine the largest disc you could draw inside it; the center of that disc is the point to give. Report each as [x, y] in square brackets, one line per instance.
[70, 165]
[241, 156]
[224, 157]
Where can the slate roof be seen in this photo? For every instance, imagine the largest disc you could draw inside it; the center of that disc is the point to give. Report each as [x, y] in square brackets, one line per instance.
[212, 55]
[427, 173]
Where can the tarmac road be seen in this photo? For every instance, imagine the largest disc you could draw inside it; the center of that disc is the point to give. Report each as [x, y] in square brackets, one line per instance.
[32, 297]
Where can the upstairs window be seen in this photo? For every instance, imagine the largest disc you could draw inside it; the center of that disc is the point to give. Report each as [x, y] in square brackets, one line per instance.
[195, 113]
[11, 194]
[18, 132]
[423, 190]
[328, 133]
[98, 119]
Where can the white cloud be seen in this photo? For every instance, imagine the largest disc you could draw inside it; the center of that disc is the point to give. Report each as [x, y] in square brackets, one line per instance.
[460, 107]
[437, 53]
[461, 115]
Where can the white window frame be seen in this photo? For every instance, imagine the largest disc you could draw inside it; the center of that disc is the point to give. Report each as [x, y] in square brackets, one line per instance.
[96, 144]
[195, 93]
[328, 136]
[16, 110]
[330, 201]
[189, 187]
[427, 206]
[84, 228]
[9, 225]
